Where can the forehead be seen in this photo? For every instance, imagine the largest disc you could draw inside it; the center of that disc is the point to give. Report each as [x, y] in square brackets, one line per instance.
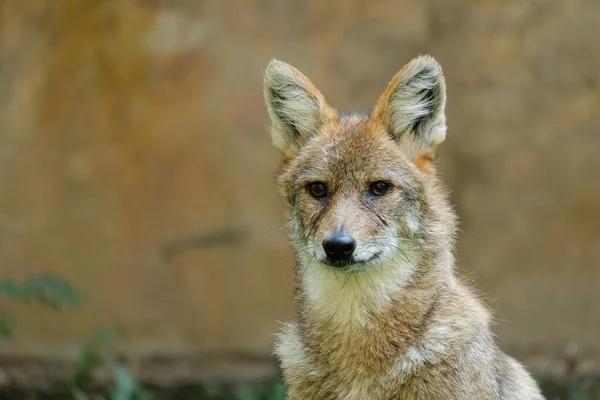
[352, 148]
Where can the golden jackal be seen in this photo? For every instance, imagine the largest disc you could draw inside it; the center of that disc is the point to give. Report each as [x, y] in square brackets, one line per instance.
[381, 314]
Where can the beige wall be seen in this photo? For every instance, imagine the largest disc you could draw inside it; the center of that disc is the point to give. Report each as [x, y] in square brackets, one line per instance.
[131, 127]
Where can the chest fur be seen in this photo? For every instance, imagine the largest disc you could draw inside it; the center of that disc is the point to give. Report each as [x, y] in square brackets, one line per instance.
[356, 365]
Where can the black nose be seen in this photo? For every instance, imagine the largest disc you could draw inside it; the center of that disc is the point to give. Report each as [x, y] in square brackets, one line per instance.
[339, 246]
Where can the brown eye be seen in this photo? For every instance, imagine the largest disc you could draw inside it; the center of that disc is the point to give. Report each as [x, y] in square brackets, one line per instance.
[317, 189]
[378, 188]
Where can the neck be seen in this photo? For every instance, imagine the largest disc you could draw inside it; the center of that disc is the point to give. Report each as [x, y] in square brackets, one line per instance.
[377, 311]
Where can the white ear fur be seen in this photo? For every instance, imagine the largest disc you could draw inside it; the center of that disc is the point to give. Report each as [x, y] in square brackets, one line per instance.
[297, 109]
[413, 106]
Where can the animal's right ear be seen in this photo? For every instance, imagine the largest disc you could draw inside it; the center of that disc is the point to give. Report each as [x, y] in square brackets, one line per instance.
[295, 106]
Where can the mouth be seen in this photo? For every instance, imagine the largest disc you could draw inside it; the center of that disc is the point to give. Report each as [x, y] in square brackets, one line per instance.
[351, 263]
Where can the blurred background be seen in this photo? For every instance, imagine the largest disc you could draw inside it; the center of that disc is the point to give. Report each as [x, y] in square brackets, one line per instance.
[138, 206]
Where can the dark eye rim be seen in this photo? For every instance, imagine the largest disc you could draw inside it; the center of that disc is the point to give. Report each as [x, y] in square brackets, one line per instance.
[376, 192]
[311, 186]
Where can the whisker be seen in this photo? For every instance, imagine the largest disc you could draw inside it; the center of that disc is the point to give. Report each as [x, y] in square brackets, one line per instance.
[345, 281]
[369, 275]
[357, 282]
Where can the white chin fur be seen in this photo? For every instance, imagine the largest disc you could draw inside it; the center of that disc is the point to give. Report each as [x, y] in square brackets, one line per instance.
[348, 296]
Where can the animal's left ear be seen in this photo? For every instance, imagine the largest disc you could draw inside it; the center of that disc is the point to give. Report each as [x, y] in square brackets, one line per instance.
[412, 107]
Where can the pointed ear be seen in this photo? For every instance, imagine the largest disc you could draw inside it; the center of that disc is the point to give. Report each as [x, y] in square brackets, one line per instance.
[413, 107]
[297, 109]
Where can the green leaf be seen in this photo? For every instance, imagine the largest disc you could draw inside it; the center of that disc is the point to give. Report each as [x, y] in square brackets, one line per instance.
[51, 290]
[10, 288]
[124, 381]
[278, 392]
[126, 387]
[46, 289]
[7, 324]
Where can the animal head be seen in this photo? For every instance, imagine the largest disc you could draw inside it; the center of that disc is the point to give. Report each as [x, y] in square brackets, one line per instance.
[361, 188]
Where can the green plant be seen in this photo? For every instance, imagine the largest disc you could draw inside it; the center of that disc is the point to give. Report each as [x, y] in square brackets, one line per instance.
[124, 386]
[278, 392]
[44, 289]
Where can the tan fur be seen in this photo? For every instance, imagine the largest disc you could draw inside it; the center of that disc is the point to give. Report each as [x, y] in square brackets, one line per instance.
[397, 323]
[424, 162]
